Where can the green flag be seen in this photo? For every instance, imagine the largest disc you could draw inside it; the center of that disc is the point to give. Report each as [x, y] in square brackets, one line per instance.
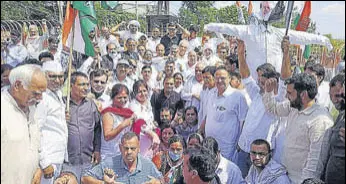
[88, 23]
[109, 4]
[307, 51]
[295, 22]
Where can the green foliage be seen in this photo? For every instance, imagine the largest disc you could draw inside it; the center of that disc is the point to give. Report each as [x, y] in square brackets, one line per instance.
[207, 14]
[29, 10]
[194, 5]
[114, 17]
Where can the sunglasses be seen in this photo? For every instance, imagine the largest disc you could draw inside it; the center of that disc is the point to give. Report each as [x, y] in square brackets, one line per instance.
[56, 76]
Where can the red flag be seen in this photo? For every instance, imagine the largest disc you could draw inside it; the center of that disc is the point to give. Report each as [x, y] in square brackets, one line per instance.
[304, 20]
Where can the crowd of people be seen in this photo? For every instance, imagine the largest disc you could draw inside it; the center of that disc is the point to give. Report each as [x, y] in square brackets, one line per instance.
[228, 108]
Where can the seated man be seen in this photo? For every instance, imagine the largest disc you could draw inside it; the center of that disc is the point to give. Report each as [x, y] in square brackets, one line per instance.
[263, 168]
[129, 167]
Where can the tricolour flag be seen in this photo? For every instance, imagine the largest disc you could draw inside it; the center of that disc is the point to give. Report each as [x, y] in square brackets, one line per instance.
[83, 16]
[302, 23]
[304, 19]
[240, 13]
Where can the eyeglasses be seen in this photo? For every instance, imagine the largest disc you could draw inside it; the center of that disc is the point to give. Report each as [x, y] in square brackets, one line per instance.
[99, 81]
[190, 114]
[171, 29]
[260, 154]
[56, 76]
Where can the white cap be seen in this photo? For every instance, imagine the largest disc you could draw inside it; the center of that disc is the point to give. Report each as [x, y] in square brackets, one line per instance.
[52, 66]
[123, 61]
[134, 22]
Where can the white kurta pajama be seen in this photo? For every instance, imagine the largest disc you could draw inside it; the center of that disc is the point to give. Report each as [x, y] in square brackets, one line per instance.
[20, 140]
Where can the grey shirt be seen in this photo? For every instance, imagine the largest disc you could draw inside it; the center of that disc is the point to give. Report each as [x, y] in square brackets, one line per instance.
[144, 169]
[84, 132]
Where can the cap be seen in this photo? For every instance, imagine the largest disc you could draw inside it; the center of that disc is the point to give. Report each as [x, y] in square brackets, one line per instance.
[52, 66]
[123, 61]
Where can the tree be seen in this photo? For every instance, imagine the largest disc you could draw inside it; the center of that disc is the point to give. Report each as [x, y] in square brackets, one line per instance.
[194, 5]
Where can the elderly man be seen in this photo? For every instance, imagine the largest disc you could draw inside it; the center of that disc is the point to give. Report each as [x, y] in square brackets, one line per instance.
[121, 76]
[130, 53]
[263, 40]
[128, 168]
[50, 114]
[84, 139]
[155, 39]
[106, 39]
[264, 169]
[14, 51]
[20, 134]
[34, 42]
[193, 87]
[110, 60]
[226, 114]
[133, 32]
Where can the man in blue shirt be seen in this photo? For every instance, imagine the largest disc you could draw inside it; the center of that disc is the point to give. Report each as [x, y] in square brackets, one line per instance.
[129, 167]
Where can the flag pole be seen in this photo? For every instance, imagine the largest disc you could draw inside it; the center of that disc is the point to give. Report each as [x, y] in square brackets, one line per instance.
[289, 13]
[69, 69]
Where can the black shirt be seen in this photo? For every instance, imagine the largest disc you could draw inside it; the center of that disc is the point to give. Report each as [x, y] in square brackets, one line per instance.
[168, 42]
[159, 100]
[130, 55]
[107, 62]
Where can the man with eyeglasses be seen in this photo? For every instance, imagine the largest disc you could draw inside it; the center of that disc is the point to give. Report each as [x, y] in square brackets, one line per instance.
[98, 81]
[172, 38]
[84, 138]
[20, 134]
[50, 114]
[263, 168]
[225, 114]
[128, 168]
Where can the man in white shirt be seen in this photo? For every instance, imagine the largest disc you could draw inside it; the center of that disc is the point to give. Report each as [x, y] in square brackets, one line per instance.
[105, 39]
[121, 76]
[34, 43]
[193, 87]
[263, 41]
[50, 114]
[308, 124]
[322, 97]
[15, 52]
[194, 41]
[225, 114]
[20, 134]
[133, 32]
[154, 40]
[258, 120]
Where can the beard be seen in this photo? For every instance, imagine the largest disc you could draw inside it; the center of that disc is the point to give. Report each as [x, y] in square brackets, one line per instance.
[297, 103]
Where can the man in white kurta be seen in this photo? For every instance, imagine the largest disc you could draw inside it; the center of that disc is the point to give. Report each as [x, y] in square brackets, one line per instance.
[50, 115]
[20, 136]
[225, 114]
